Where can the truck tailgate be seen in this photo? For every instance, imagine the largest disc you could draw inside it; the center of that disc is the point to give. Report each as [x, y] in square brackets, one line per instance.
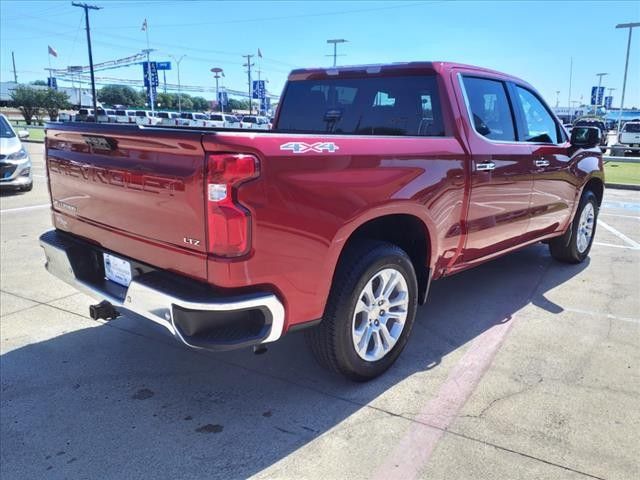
[146, 185]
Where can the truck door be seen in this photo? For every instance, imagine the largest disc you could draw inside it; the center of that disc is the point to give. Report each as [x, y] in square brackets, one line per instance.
[501, 177]
[554, 190]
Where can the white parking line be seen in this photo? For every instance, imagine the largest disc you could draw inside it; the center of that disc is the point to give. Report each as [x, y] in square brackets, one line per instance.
[619, 216]
[606, 315]
[603, 244]
[620, 235]
[22, 209]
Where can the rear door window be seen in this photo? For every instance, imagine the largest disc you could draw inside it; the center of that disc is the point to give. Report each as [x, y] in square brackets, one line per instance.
[391, 105]
[489, 108]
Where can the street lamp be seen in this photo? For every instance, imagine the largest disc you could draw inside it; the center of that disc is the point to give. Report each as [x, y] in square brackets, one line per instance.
[178, 60]
[335, 42]
[216, 74]
[630, 26]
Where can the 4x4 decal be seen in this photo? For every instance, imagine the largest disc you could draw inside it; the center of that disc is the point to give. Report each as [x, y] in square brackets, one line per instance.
[301, 147]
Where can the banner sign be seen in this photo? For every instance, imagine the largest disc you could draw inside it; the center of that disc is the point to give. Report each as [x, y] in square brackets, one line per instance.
[52, 82]
[259, 90]
[596, 95]
[163, 65]
[223, 98]
[153, 70]
[608, 102]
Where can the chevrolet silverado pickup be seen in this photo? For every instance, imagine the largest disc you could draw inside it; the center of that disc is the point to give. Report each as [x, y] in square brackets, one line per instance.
[374, 181]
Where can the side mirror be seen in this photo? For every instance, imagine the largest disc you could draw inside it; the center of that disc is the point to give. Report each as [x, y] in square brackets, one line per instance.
[23, 134]
[585, 137]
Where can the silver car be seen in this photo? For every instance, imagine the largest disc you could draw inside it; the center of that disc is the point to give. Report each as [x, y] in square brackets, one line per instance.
[15, 164]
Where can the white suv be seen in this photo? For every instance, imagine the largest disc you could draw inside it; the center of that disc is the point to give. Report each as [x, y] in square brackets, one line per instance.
[222, 120]
[254, 122]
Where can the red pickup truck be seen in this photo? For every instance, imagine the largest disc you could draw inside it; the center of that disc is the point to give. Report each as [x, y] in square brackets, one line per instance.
[374, 181]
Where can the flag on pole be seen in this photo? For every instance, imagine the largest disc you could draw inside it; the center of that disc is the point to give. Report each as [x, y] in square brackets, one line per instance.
[52, 51]
[259, 54]
[144, 25]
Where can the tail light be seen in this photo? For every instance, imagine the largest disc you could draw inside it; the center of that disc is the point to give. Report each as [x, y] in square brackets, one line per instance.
[228, 221]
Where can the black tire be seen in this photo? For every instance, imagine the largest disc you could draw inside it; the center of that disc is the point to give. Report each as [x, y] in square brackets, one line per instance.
[331, 341]
[565, 248]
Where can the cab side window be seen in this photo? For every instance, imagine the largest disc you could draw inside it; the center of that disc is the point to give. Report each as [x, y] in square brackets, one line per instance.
[489, 108]
[539, 125]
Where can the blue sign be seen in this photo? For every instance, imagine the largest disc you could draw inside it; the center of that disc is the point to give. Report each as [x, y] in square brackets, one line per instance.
[223, 98]
[153, 70]
[608, 102]
[52, 82]
[596, 95]
[265, 103]
[259, 90]
[163, 65]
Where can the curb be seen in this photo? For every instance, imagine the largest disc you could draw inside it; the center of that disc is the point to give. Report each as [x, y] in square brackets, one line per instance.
[621, 186]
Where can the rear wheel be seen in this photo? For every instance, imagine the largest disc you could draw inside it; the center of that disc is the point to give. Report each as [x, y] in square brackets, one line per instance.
[574, 246]
[370, 312]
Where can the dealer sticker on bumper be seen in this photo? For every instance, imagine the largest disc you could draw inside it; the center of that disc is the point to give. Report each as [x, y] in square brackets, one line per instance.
[117, 270]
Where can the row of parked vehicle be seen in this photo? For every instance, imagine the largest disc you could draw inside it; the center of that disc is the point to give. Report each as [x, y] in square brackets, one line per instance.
[181, 119]
[628, 140]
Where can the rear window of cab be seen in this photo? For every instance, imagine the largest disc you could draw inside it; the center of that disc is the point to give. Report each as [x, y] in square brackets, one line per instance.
[391, 105]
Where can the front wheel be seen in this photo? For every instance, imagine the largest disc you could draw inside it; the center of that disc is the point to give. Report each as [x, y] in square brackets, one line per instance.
[574, 246]
[370, 312]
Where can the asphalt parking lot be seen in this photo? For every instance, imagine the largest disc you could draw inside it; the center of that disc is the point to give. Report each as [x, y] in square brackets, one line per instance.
[521, 368]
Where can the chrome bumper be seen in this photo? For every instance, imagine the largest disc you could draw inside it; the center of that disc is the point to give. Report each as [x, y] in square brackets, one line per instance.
[155, 296]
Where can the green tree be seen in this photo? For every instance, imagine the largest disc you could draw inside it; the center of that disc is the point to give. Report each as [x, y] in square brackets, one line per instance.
[186, 102]
[29, 100]
[41, 83]
[200, 103]
[167, 101]
[119, 95]
[54, 101]
[238, 104]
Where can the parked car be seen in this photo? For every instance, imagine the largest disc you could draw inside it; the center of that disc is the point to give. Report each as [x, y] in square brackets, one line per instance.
[15, 163]
[594, 122]
[253, 122]
[125, 116]
[145, 117]
[169, 118]
[630, 134]
[84, 115]
[368, 188]
[65, 117]
[194, 119]
[106, 115]
[223, 120]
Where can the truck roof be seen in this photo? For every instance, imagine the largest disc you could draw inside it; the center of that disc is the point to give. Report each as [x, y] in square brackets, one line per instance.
[396, 67]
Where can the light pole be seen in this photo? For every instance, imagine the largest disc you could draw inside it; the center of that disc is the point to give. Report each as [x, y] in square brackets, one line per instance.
[630, 26]
[597, 104]
[216, 74]
[335, 42]
[178, 60]
[557, 98]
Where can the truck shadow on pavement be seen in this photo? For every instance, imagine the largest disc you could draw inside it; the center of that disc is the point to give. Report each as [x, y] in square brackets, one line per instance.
[126, 401]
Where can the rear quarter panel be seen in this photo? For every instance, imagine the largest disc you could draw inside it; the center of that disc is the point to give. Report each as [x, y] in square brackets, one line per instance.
[306, 205]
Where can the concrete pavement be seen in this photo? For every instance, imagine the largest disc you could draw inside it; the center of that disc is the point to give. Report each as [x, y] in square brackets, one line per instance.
[521, 368]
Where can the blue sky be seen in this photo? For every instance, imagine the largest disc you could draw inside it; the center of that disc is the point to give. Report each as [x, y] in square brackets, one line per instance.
[532, 40]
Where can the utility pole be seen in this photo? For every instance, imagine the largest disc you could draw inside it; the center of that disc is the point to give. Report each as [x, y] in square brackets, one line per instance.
[15, 75]
[557, 98]
[599, 75]
[178, 60]
[335, 42]
[249, 65]
[93, 80]
[630, 26]
[216, 74]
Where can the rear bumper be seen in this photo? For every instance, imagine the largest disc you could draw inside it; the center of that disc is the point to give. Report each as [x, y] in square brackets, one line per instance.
[191, 311]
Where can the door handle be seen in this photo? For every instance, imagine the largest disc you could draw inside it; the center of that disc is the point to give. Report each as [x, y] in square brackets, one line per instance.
[541, 162]
[485, 166]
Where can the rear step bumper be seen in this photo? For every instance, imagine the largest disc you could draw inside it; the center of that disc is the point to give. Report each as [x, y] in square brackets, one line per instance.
[193, 312]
